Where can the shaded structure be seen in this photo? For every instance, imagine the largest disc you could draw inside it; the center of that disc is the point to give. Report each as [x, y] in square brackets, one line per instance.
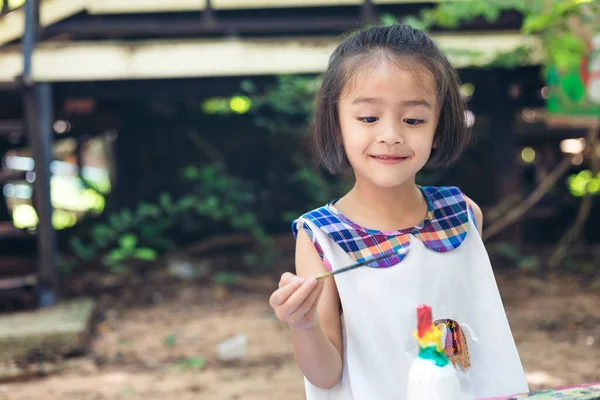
[88, 65]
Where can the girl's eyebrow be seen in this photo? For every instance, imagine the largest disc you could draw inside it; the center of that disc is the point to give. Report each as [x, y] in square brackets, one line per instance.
[368, 100]
[416, 103]
[406, 103]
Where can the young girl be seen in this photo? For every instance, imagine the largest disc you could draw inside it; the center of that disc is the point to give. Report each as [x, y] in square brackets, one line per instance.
[390, 104]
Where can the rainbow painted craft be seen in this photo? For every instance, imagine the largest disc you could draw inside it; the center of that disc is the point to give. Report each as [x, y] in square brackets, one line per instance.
[431, 375]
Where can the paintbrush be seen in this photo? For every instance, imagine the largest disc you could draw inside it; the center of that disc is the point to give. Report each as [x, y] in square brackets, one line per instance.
[364, 263]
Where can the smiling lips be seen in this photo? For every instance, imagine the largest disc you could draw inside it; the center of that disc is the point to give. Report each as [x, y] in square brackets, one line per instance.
[388, 158]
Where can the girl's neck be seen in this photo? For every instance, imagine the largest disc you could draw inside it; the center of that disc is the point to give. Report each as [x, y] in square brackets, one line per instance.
[385, 209]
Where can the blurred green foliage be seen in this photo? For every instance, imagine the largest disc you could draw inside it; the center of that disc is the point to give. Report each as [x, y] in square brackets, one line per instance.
[546, 17]
[584, 183]
[286, 106]
[136, 237]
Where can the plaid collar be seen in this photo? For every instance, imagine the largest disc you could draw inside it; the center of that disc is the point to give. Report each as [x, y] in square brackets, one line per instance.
[444, 228]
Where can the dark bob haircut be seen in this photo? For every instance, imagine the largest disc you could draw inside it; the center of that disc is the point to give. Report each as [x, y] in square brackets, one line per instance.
[400, 42]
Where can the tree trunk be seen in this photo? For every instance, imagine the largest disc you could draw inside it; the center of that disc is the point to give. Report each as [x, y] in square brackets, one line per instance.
[585, 207]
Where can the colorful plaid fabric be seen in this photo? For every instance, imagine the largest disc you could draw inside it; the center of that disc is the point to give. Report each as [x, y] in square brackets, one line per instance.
[444, 229]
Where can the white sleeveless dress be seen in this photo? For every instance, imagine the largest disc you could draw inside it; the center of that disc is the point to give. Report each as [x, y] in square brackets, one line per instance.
[447, 267]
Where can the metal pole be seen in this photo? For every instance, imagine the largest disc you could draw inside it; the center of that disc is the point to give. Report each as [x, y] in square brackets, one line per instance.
[208, 15]
[32, 22]
[368, 13]
[41, 143]
[39, 117]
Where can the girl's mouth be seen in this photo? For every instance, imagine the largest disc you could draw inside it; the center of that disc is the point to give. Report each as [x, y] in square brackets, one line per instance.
[388, 159]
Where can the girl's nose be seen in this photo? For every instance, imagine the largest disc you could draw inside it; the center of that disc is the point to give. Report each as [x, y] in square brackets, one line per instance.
[391, 135]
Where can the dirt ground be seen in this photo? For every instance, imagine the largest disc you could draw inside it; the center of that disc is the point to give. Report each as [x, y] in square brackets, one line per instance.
[151, 349]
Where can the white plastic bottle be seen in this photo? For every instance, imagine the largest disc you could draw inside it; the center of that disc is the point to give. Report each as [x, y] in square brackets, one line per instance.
[431, 375]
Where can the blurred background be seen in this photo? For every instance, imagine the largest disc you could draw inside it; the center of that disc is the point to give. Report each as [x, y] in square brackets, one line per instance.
[153, 155]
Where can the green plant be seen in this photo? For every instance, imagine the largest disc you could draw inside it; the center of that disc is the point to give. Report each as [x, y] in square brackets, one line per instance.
[221, 197]
[584, 183]
[191, 363]
[140, 235]
[114, 242]
[550, 18]
[514, 255]
[287, 105]
[226, 278]
[170, 340]
[127, 251]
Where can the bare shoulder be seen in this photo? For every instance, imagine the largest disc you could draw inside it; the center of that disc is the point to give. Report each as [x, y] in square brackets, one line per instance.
[308, 261]
[478, 214]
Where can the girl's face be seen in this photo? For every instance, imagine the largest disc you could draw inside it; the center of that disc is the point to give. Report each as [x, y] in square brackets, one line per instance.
[388, 116]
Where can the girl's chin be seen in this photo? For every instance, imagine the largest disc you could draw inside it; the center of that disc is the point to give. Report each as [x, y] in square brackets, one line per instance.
[390, 183]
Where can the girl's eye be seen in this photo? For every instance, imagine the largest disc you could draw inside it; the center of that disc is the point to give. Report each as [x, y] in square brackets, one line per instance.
[368, 120]
[413, 121]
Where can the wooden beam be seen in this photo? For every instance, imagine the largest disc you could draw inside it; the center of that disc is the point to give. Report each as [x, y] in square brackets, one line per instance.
[8, 230]
[17, 266]
[10, 127]
[54, 11]
[152, 59]
[144, 6]
[246, 4]
[156, 27]
[57, 8]
[410, 1]
[9, 175]
[10, 86]
[572, 121]
[12, 26]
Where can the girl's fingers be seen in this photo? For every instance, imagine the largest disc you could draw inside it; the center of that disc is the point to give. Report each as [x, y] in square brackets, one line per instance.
[299, 296]
[309, 304]
[286, 278]
[282, 294]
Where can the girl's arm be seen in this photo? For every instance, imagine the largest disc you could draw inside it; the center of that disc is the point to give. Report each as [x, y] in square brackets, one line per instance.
[318, 349]
[478, 215]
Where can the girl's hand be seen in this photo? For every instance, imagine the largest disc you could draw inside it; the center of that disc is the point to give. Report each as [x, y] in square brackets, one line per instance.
[296, 300]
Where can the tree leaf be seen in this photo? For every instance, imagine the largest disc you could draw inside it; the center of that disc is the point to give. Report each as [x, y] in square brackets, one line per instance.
[169, 340]
[192, 362]
[248, 86]
[148, 210]
[165, 202]
[226, 278]
[81, 250]
[187, 202]
[411, 21]
[145, 253]
[196, 362]
[116, 255]
[191, 173]
[101, 234]
[128, 241]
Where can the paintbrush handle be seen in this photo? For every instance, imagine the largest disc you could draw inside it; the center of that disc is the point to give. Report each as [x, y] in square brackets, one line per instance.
[360, 264]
